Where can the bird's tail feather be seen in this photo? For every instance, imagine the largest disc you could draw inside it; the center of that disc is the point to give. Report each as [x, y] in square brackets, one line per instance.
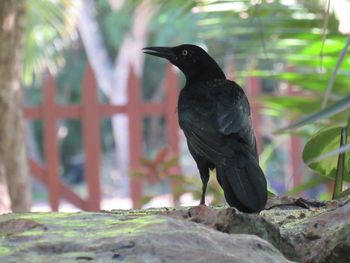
[243, 182]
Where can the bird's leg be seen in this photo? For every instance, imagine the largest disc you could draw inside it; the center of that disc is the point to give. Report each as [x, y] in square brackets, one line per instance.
[204, 173]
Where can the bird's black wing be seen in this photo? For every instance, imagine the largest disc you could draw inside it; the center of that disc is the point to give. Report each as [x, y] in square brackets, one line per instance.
[233, 114]
[220, 131]
[217, 119]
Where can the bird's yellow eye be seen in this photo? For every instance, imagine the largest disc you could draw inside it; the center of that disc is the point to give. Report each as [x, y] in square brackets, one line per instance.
[184, 52]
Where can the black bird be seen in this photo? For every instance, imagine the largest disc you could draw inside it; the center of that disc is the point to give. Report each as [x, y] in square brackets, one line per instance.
[214, 114]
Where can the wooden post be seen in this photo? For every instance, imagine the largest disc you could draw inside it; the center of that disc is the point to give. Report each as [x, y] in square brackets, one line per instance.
[65, 192]
[253, 89]
[135, 135]
[296, 160]
[50, 142]
[171, 116]
[171, 98]
[91, 139]
[295, 149]
[230, 67]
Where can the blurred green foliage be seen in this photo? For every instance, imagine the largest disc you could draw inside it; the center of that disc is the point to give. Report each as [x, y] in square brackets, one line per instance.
[277, 40]
[324, 141]
[290, 44]
[50, 29]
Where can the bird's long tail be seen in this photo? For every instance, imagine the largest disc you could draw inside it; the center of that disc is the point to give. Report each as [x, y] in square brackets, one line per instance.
[243, 182]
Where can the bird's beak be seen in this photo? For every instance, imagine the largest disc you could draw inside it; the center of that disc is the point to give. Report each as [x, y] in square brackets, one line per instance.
[163, 52]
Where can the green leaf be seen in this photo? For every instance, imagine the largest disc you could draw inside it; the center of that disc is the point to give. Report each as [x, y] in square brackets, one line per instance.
[309, 184]
[342, 55]
[325, 141]
[339, 106]
[280, 103]
[340, 150]
[137, 174]
[145, 199]
[172, 162]
[328, 62]
[343, 194]
[177, 177]
[338, 184]
[50, 28]
[146, 162]
[333, 46]
[271, 193]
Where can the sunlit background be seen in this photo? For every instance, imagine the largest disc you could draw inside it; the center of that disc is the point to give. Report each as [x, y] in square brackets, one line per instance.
[283, 52]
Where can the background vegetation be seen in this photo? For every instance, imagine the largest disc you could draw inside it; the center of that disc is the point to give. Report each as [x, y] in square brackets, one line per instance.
[302, 43]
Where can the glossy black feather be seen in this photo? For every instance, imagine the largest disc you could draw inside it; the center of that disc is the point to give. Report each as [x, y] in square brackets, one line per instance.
[214, 114]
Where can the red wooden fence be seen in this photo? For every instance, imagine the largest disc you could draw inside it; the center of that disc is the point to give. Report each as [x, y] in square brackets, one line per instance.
[253, 90]
[90, 112]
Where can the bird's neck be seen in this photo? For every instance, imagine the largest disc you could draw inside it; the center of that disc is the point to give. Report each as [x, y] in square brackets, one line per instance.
[205, 74]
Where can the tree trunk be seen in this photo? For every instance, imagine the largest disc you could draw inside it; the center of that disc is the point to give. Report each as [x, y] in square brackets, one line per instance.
[12, 136]
[113, 77]
[129, 54]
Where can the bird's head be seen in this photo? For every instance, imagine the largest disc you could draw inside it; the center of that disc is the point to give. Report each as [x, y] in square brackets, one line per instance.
[192, 60]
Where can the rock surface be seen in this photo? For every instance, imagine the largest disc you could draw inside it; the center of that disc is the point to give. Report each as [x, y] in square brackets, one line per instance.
[102, 237]
[305, 232]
